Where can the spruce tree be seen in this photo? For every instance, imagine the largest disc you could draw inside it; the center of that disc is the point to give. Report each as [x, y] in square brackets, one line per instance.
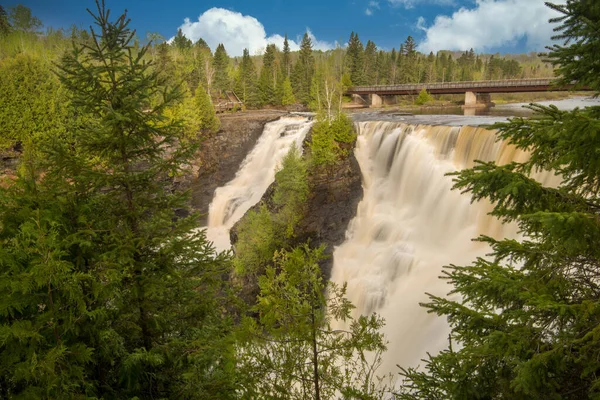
[221, 69]
[304, 70]
[287, 97]
[181, 42]
[355, 60]
[527, 325]
[286, 61]
[370, 63]
[105, 293]
[246, 82]
[205, 112]
[267, 82]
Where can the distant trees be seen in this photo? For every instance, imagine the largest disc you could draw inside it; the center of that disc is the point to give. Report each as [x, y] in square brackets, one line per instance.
[526, 320]
[304, 69]
[221, 69]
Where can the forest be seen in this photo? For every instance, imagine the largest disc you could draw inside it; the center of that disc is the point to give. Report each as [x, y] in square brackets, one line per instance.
[107, 293]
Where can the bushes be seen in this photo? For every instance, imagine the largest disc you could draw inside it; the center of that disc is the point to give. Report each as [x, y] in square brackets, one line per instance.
[423, 98]
[327, 138]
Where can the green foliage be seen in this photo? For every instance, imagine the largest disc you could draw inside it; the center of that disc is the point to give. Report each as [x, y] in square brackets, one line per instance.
[293, 351]
[181, 42]
[258, 239]
[262, 232]
[423, 98]
[527, 322]
[291, 191]
[32, 103]
[327, 137]
[4, 24]
[287, 97]
[221, 69]
[355, 59]
[304, 70]
[205, 111]
[20, 19]
[104, 292]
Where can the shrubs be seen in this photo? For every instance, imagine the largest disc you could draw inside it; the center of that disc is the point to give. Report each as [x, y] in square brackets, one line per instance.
[423, 98]
[327, 139]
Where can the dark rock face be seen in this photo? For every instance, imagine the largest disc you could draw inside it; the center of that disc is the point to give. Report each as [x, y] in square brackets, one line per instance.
[331, 206]
[221, 155]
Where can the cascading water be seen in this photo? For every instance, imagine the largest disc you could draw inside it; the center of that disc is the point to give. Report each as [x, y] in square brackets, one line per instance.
[410, 224]
[256, 173]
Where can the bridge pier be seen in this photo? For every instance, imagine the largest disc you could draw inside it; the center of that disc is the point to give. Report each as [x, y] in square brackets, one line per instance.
[478, 100]
[376, 100]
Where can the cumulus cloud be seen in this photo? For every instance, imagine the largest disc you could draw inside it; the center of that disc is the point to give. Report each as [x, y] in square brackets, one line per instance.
[490, 24]
[237, 32]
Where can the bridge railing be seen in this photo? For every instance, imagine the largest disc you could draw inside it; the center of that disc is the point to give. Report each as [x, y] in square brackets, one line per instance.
[453, 85]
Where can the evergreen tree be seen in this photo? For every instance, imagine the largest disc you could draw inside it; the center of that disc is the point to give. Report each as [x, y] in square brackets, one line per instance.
[104, 292]
[267, 82]
[181, 42]
[304, 70]
[370, 63]
[287, 93]
[286, 61]
[246, 82]
[221, 69]
[206, 112]
[528, 322]
[355, 60]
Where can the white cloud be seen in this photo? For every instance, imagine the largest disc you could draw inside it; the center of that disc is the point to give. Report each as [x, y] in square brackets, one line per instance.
[413, 3]
[368, 12]
[237, 32]
[373, 5]
[490, 24]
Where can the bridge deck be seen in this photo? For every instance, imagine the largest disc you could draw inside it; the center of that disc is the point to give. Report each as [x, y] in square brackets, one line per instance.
[504, 86]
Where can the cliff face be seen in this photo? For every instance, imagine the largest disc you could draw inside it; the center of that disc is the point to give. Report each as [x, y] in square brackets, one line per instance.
[221, 154]
[331, 206]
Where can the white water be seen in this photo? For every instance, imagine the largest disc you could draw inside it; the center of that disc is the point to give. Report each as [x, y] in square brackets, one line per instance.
[410, 224]
[255, 175]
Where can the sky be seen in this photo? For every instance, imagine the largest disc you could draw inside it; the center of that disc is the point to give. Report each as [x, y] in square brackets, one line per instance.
[487, 26]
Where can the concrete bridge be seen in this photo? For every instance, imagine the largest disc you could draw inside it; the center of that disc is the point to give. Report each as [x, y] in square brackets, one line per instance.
[477, 93]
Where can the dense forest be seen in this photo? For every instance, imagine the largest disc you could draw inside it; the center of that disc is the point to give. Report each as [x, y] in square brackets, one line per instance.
[107, 293]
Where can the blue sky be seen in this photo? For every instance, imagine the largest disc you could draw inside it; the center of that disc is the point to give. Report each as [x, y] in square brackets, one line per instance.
[486, 25]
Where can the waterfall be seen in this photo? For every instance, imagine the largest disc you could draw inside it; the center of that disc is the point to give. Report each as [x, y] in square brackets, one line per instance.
[409, 224]
[255, 175]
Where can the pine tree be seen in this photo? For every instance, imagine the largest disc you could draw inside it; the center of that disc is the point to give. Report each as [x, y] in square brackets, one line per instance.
[304, 70]
[286, 60]
[287, 93]
[528, 322]
[181, 42]
[370, 63]
[106, 293]
[221, 69]
[267, 82]
[355, 61]
[205, 110]
[246, 83]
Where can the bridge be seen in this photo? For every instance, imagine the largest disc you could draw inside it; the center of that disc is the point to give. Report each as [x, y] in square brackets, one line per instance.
[477, 93]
